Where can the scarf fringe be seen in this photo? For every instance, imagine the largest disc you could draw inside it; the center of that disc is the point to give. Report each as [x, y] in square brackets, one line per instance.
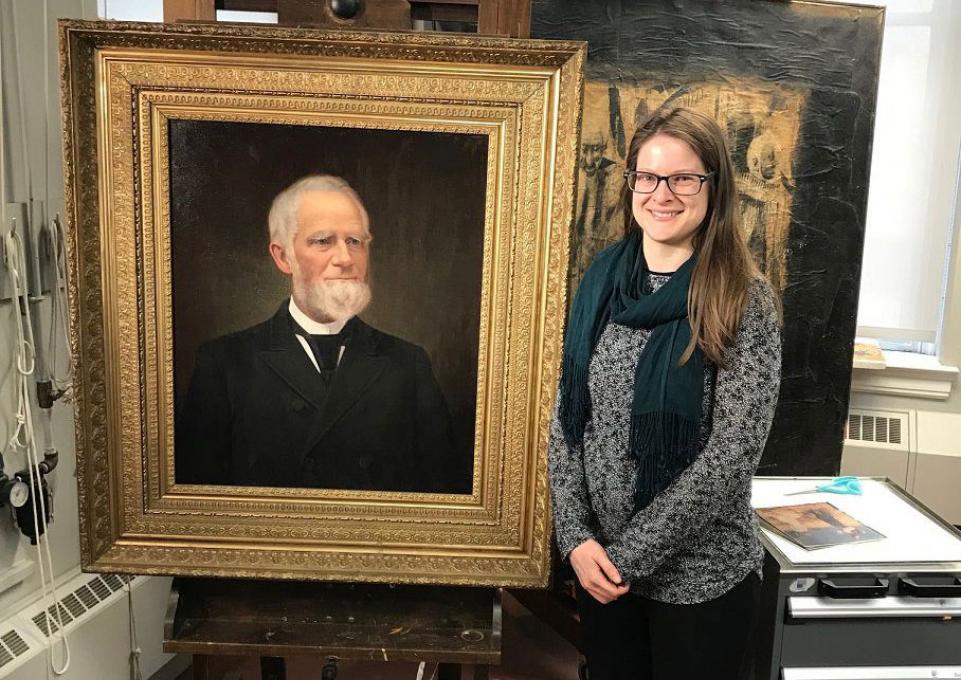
[664, 444]
[574, 401]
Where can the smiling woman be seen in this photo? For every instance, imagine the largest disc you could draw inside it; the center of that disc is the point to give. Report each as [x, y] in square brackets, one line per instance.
[670, 378]
[669, 200]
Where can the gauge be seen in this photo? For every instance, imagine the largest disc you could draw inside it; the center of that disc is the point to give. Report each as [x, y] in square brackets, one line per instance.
[19, 494]
[15, 491]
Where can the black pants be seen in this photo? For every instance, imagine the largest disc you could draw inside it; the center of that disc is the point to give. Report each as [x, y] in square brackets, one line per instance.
[634, 638]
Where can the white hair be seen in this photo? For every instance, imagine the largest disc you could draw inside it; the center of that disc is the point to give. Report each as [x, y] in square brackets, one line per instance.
[282, 218]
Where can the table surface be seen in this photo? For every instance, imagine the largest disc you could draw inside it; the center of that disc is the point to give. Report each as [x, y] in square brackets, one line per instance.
[910, 535]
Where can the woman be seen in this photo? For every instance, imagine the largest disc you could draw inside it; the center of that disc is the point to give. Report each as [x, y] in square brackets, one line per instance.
[670, 378]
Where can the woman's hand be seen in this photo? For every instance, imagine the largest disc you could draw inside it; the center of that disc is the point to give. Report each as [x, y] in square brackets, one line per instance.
[596, 573]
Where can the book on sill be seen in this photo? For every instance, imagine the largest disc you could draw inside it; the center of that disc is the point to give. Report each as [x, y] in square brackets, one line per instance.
[816, 525]
[868, 354]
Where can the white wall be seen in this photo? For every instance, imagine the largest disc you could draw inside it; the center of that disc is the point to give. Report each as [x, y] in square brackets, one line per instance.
[102, 655]
[21, 27]
[925, 214]
[939, 199]
[131, 10]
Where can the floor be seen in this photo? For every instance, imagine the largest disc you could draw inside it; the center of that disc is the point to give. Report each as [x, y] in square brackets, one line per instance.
[530, 651]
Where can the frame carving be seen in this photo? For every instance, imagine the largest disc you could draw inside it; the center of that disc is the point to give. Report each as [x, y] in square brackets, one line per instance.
[121, 85]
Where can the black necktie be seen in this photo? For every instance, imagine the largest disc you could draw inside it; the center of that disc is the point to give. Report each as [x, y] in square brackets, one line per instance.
[326, 349]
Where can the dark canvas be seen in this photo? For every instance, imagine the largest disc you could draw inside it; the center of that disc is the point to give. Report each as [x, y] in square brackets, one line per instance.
[424, 193]
[794, 85]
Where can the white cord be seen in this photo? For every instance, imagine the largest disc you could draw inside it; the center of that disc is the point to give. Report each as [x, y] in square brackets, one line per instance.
[24, 437]
[21, 100]
[3, 157]
[420, 671]
[135, 651]
[26, 347]
[46, 108]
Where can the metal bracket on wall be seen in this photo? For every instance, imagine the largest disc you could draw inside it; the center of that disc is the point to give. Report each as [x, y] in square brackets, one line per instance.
[41, 272]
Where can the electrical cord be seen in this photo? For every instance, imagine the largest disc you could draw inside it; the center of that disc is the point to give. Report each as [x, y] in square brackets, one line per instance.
[24, 438]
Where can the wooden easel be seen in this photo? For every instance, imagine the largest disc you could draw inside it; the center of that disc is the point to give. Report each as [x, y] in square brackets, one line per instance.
[509, 18]
[458, 628]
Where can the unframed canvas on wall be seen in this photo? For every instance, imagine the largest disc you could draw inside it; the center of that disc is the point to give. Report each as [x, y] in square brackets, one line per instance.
[794, 84]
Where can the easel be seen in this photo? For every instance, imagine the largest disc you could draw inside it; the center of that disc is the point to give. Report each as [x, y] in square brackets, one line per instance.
[510, 18]
[457, 628]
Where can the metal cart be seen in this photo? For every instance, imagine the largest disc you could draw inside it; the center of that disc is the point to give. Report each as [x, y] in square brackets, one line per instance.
[889, 609]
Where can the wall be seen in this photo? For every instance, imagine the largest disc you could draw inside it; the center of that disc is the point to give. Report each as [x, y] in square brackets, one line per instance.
[23, 36]
[22, 29]
[934, 474]
[947, 123]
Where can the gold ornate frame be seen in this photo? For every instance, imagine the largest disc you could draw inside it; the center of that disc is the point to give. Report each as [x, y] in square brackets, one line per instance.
[121, 83]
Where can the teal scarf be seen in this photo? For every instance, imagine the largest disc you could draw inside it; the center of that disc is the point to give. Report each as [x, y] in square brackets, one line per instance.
[666, 410]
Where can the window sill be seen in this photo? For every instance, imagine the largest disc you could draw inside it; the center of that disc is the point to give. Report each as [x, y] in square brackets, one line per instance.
[905, 374]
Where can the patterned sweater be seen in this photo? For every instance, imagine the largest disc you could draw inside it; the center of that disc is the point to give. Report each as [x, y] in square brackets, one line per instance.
[698, 537]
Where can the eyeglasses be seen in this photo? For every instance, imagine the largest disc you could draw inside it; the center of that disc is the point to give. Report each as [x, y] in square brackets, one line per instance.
[681, 184]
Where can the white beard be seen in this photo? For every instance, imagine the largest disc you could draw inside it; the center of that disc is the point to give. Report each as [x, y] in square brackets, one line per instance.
[332, 300]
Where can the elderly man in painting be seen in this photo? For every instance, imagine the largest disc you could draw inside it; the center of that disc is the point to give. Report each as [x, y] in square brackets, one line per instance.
[314, 397]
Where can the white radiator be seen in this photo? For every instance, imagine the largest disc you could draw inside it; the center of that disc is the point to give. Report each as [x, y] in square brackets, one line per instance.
[918, 450]
[94, 611]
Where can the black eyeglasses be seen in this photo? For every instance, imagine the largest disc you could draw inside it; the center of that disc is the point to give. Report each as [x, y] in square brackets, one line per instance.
[682, 183]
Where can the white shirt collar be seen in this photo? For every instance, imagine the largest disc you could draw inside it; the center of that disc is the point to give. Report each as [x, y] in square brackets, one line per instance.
[311, 326]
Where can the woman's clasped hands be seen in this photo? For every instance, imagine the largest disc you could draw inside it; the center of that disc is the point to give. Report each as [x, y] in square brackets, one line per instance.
[596, 573]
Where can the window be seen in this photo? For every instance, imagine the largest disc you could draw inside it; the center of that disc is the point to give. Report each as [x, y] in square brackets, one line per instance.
[914, 175]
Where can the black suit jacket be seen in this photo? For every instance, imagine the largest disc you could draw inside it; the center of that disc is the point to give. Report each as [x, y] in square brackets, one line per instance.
[258, 413]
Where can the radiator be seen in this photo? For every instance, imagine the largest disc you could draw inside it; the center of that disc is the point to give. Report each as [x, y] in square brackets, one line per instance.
[94, 612]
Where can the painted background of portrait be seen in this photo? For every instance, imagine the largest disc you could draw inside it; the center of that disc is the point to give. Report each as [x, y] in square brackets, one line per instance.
[794, 85]
[424, 193]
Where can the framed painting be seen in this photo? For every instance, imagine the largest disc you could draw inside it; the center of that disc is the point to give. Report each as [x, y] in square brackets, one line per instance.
[798, 106]
[317, 287]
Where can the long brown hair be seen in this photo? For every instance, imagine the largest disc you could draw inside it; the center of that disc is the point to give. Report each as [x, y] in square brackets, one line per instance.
[725, 267]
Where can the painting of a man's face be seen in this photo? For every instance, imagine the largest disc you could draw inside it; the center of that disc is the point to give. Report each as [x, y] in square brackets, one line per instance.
[327, 256]
[406, 366]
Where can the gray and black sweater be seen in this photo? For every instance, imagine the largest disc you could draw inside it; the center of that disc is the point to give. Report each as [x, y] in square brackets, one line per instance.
[697, 538]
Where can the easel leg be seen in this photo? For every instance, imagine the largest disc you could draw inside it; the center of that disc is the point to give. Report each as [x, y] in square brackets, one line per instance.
[273, 668]
[199, 664]
[466, 671]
